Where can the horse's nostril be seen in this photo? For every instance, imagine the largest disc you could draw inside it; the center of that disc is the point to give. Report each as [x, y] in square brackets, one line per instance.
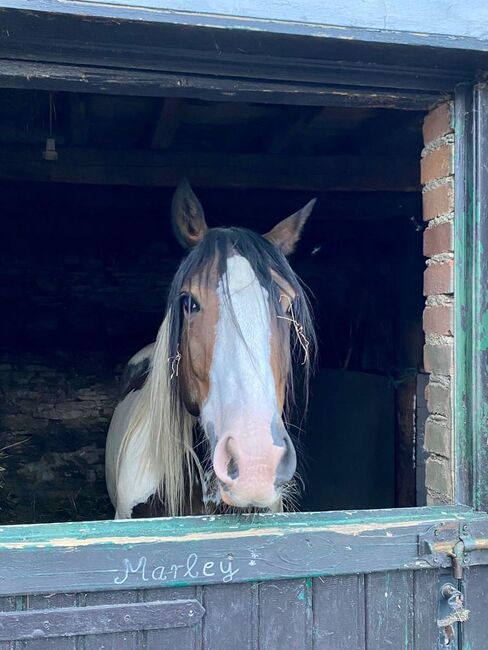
[232, 469]
[288, 464]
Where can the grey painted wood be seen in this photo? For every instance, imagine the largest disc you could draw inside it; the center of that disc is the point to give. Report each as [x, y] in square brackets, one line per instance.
[46, 602]
[475, 630]
[184, 637]
[445, 23]
[9, 605]
[228, 621]
[98, 619]
[338, 613]
[111, 641]
[145, 554]
[425, 596]
[284, 614]
[389, 610]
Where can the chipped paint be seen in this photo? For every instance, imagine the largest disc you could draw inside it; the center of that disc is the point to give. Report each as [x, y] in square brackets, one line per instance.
[353, 529]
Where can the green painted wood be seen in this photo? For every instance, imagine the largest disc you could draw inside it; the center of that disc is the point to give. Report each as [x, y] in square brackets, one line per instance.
[471, 325]
[137, 531]
[480, 297]
[446, 24]
[155, 553]
[464, 384]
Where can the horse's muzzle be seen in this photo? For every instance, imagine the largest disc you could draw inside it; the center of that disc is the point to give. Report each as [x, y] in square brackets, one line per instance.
[252, 468]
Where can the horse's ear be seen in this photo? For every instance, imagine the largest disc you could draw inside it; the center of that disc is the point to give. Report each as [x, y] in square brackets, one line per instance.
[286, 234]
[187, 216]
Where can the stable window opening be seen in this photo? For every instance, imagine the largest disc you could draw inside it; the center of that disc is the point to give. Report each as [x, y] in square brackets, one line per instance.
[88, 256]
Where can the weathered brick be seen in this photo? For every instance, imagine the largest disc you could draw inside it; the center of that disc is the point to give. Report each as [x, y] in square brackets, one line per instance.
[438, 399]
[438, 163]
[439, 359]
[439, 320]
[438, 437]
[435, 499]
[438, 239]
[438, 123]
[438, 200]
[439, 278]
[438, 476]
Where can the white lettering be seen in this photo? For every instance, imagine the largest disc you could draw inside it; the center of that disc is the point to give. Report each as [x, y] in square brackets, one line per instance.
[141, 569]
[208, 565]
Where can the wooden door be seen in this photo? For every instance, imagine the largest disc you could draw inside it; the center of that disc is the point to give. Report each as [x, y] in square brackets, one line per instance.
[366, 579]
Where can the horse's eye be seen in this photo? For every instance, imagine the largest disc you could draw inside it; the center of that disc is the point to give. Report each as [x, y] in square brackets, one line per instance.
[189, 304]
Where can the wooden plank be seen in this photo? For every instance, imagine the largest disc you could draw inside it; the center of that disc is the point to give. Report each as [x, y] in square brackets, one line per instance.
[284, 612]
[147, 83]
[114, 555]
[98, 619]
[421, 413]
[10, 604]
[31, 607]
[476, 600]
[338, 613]
[389, 610]
[165, 169]
[167, 123]
[228, 617]
[465, 408]
[479, 305]
[111, 641]
[188, 637]
[426, 602]
[446, 24]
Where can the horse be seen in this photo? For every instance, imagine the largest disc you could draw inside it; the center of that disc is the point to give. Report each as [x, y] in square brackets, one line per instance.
[201, 426]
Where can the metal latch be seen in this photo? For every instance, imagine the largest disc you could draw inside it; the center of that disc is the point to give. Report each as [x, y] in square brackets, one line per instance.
[450, 544]
[453, 545]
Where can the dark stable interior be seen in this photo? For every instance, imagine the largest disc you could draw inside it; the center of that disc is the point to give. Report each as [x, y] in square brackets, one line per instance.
[88, 253]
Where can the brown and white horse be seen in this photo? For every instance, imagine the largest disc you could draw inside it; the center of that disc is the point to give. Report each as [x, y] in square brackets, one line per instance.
[236, 319]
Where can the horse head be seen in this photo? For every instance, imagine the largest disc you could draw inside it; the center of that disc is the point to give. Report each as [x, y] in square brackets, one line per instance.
[238, 314]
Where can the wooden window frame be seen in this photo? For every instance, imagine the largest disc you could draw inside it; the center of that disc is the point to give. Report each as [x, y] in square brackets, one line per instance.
[107, 547]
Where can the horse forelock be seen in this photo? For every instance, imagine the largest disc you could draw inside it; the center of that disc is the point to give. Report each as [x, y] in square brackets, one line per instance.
[206, 265]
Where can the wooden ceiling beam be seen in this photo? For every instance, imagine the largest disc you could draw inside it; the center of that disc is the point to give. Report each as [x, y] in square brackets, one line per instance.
[246, 171]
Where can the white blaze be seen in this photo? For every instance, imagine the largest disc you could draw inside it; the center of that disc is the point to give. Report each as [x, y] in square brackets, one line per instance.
[242, 387]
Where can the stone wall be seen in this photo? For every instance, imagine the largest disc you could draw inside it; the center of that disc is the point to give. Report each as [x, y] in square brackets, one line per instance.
[437, 176]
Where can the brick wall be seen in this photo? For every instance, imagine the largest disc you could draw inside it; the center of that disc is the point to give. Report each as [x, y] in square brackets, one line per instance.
[437, 177]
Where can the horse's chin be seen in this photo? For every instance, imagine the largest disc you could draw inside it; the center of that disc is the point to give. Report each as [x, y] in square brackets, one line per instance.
[234, 501]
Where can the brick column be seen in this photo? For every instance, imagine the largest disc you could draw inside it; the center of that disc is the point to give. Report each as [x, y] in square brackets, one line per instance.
[437, 177]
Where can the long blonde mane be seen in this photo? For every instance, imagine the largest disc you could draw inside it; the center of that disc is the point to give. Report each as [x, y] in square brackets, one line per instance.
[169, 453]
